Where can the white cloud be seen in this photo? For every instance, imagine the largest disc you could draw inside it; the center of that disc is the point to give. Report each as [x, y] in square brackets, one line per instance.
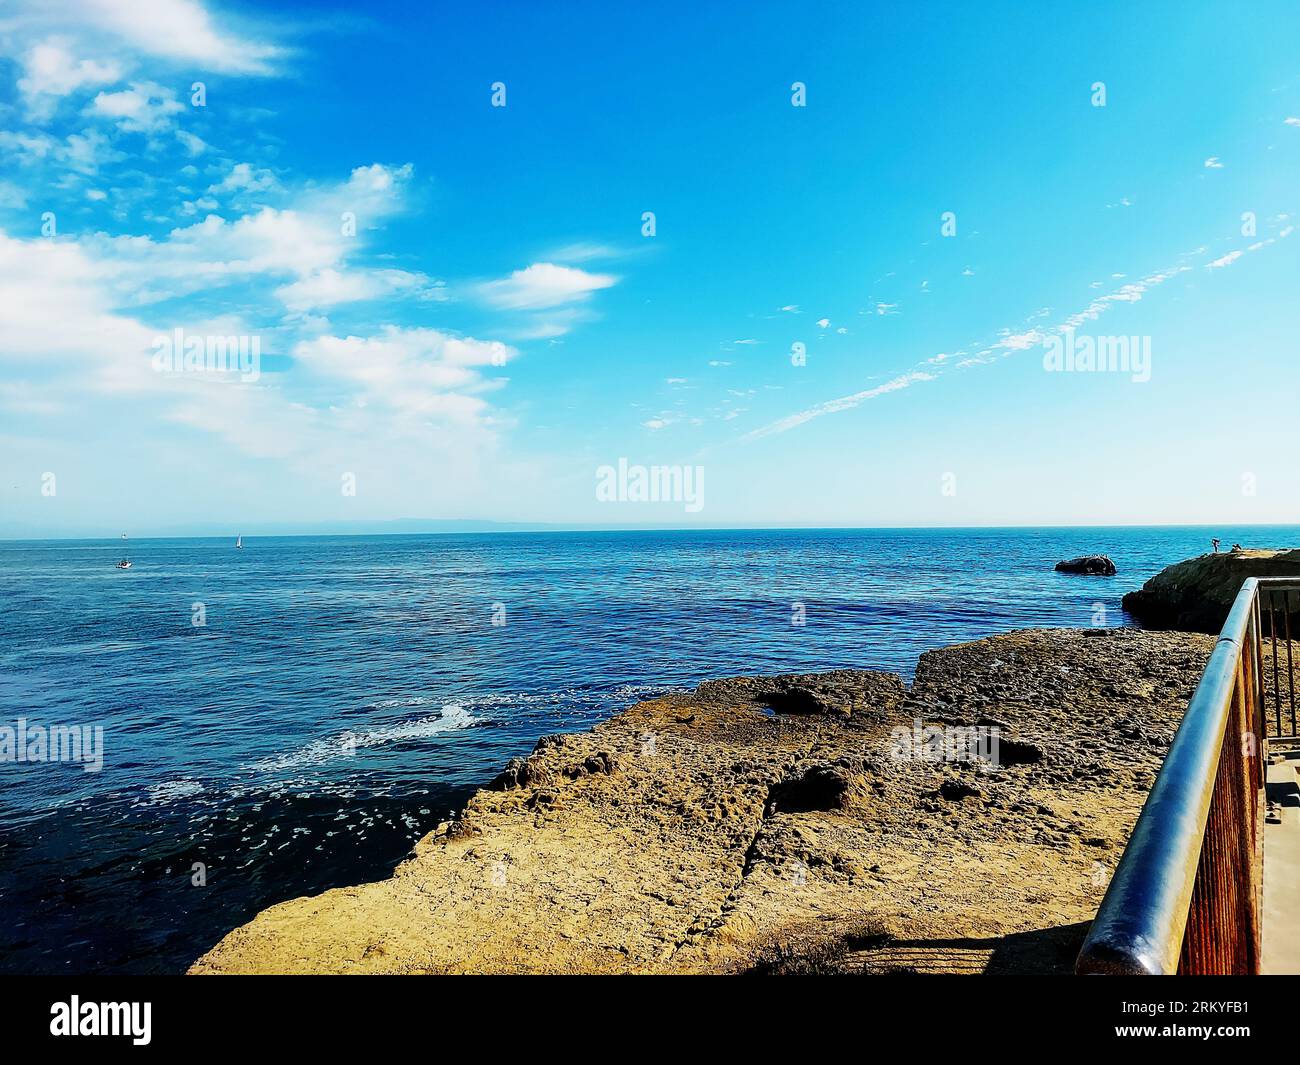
[80, 152]
[1212, 163]
[293, 247]
[59, 315]
[244, 178]
[544, 285]
[178, 30]
[65, 318]
[50, 68]
[146, 107]
[1020, 341]
[191, 143]
[1228, 260]
[87, 152]
[27, 148]
[1292, 121]
[66, 48]
[330, 287]
[377, 178]
[420, 372]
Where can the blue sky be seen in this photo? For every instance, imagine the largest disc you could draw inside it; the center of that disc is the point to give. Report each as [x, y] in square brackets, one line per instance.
[498, 327]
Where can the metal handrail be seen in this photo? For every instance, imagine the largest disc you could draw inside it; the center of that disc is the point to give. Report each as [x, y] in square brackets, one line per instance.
[1187, 894]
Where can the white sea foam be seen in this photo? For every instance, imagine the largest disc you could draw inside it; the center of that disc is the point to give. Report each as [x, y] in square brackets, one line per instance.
[345, 744]
[171, 790]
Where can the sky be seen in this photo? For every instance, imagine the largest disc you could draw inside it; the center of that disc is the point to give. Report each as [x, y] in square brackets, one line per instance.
[814, 260]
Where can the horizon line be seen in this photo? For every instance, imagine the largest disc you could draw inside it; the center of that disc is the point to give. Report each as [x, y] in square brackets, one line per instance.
[556, 528]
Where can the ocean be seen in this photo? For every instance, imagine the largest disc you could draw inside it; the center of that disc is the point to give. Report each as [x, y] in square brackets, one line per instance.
[293, 716]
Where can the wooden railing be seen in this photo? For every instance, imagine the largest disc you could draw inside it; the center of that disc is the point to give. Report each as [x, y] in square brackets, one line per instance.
[1187, 895]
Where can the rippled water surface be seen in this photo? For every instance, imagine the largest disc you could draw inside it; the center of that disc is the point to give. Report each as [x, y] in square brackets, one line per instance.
[346, 692]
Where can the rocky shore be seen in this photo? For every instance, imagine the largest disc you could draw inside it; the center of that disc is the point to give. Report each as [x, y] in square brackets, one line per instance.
[784, 824]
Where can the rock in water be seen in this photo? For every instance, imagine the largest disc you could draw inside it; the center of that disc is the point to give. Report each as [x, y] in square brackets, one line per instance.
[1092, 565]
[1196, 595]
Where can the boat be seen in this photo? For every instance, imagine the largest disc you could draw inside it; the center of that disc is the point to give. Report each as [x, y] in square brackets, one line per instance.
[126, 562]
[239, 540]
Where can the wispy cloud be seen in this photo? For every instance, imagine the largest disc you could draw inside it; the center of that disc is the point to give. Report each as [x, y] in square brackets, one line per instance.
[544, 285]
[582, 252]
[1008, 342]
[833, 406]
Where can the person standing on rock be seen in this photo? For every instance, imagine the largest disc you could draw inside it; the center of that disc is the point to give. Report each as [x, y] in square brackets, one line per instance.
[1215, 542]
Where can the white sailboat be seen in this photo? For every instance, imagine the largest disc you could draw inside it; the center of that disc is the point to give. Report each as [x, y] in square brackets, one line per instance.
[126, 562]
[239, 540]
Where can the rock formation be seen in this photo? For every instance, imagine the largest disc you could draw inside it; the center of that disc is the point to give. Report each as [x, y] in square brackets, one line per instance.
[1196, 595]
[1092, 565]
[784, 824]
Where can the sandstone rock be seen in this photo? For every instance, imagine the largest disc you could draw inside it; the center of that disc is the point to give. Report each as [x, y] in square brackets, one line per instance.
[1092, 565]
[1196, 595]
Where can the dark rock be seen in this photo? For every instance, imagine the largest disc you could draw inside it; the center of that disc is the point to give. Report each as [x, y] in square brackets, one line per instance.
[956, 790]
[461, 829]
[819, 787]
[515, 775]
[601, 762]
[1013, 752]
[1091, 565]
[540, 800]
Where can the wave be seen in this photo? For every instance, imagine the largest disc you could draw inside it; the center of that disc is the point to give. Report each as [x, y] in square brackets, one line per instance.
[451, 718]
